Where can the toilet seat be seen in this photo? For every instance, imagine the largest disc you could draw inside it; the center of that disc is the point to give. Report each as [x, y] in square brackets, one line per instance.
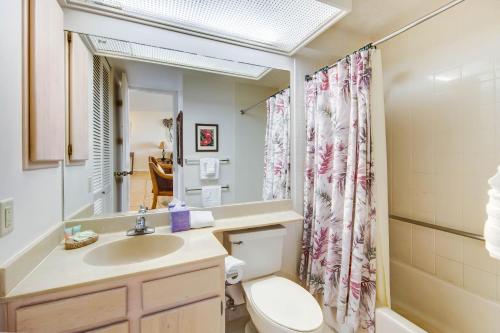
[284, 304]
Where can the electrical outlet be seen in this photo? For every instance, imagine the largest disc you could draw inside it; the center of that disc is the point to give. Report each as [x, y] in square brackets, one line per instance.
[6, 216]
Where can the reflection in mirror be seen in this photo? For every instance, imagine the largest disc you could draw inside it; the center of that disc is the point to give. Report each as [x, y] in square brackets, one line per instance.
[151, 108]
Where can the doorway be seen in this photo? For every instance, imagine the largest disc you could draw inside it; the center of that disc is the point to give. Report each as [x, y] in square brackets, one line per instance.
[151, 137]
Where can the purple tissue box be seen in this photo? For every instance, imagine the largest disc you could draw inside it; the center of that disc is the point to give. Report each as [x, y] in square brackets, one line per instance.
[180, 220]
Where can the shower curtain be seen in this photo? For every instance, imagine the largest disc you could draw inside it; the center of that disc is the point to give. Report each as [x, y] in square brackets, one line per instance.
[277, 148]
[340, 215]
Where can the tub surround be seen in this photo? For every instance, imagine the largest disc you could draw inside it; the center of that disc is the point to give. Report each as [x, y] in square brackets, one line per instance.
[62, 269]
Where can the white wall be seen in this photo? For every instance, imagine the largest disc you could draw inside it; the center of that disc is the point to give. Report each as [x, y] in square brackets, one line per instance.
[209, 99]
[216, 99]
[146, 133]
[249, 141]
[37, 193]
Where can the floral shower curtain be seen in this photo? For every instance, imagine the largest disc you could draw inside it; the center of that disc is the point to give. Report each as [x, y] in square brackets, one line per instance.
[277, 148]
[338, 252]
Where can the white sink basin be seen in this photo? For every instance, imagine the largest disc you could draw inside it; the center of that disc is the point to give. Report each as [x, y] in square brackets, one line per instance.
[133, 249]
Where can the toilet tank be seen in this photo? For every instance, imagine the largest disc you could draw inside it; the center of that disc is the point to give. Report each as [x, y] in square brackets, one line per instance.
[261, 249]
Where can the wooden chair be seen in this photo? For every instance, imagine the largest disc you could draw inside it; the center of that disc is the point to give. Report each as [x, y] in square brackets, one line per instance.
[168, 168]
[163, 183]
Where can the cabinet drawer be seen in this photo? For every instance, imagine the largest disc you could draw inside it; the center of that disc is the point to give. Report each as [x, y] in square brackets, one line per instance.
[73, 313]
[182, 288]
[115, 328]
[201, 317]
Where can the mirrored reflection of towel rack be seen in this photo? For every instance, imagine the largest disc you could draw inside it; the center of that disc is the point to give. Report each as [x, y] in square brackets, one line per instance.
[192, 162]
[199, 189]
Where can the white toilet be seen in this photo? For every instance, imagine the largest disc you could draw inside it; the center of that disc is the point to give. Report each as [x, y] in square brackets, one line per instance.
[275, 304]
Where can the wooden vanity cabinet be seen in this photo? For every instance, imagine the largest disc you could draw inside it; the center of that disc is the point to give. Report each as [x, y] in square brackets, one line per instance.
[115, 328]
[200, 317]
[188, 299]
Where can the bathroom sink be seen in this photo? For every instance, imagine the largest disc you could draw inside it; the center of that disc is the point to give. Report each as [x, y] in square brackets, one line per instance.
[133, 250]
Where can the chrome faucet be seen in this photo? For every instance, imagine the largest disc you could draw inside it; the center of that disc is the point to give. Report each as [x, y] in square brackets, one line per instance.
[140, 224]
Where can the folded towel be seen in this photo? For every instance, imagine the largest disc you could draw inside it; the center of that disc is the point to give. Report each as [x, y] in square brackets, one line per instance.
[492, 225]
[211, 196]
[201, 219]
[495, 180]
[209, 168]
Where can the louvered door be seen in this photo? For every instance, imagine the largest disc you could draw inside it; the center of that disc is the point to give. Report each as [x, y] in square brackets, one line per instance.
[102, 162]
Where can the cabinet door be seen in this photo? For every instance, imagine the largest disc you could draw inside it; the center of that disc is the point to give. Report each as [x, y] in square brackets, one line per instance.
[73, 313]
[115, 328]
[46, 90]
[201, 317]
[79, 59]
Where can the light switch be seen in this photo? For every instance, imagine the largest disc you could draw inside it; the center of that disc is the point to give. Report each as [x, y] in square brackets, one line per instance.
[6, 216]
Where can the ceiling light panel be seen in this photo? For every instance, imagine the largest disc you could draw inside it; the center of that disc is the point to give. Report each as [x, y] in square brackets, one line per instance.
[280, 25]
[123, 49]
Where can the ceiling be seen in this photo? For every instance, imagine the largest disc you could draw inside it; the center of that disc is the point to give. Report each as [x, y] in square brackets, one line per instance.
[150, 76]
[124, 49]
[148, 101]
[368, 21]
[281, 26]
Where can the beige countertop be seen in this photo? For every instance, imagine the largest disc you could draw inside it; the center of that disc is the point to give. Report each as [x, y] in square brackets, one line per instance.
[63, 269]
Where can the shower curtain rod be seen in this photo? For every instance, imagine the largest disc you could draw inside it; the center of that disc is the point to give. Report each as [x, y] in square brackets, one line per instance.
[243, 111]
[397, 32]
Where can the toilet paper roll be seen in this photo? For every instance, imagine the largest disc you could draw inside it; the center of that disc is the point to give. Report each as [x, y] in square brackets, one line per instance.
[235, 291]
[235, 275]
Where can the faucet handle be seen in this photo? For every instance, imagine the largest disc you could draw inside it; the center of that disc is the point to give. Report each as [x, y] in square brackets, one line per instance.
[143, 210]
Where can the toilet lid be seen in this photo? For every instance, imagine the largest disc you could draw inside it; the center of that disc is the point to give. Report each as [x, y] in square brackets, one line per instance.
[286, 303]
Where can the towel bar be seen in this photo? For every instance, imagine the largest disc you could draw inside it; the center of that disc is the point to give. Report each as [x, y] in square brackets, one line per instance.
[438, 227]
[199, 189]
[194, 162]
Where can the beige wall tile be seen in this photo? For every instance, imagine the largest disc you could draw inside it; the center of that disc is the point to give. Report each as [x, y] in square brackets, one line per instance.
[480, 282]
[400, 241]
[475, 255]
[498, 287]
[449, 246]
[423, 252]
[443, 111]
[450, 271]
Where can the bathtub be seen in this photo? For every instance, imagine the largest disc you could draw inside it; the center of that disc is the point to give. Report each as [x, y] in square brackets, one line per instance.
[388, 321]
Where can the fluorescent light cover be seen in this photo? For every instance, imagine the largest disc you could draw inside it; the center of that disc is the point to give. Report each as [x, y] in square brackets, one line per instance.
[123, 49]
[280, 25]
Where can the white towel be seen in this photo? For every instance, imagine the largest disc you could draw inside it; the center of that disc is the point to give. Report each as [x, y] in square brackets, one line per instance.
[209, 168]
[201, 219]
[492, 225]
[211, 196]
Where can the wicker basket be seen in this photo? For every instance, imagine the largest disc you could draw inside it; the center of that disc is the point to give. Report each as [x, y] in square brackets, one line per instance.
[70, 244]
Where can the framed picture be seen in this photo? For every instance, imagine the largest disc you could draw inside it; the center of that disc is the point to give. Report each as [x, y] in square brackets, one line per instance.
[207, 137]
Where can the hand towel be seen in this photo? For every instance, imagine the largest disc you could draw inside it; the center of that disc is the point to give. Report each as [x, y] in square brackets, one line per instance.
[211, 196]
[209, 168]
[201, 219]
[492, 225]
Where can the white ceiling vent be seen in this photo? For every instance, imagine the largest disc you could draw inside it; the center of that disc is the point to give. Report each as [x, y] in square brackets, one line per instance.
[123, 49]
[277, 25]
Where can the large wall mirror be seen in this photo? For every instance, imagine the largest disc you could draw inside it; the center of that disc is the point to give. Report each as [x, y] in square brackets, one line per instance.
[149, 124]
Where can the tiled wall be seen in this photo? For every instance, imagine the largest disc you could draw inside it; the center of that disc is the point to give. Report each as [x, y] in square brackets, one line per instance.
[442, 95]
